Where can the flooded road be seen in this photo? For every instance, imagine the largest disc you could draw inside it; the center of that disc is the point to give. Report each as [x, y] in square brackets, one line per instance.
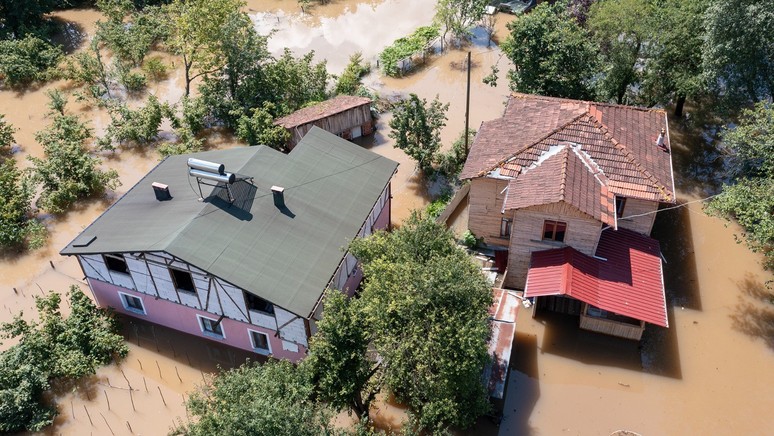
[709, 373]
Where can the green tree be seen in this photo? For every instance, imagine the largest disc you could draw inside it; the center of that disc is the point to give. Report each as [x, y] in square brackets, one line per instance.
[552, 55]
[273, 399]
[296, 82]
[19, 17]
[338, 357]
[139, 126]
[6, 136]
[26, 60]
[450, 163]
[67, 172]
[416, 128]
[739, 47]
[673, 71]
[458, 16]
[426, 305]
[750, 199]
[16, 191]
[259, 129]
[131, 39]
[349, 81]
[53, 348]
[620, 28]
[196, 31]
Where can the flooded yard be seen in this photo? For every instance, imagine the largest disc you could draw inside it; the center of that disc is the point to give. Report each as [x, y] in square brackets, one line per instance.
[709, 373]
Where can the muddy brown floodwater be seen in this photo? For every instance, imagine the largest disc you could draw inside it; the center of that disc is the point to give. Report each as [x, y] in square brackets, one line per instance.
[709, 373]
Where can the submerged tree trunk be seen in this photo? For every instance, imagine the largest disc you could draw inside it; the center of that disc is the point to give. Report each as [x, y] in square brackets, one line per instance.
[679, 104]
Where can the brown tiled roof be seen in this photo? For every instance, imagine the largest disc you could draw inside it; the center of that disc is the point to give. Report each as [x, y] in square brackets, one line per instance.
[321, 110]
[563, 173]
[621, 140]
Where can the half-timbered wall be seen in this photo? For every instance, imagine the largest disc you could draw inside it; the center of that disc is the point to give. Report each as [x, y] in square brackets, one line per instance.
[582, 234]
[485, 209]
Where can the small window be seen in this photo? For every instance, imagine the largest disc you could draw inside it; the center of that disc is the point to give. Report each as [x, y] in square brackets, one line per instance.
[116, 263]
[505, 228]
[620, 203]
[260, 342]
[554, 230]
[211, 327]
[257, 303]
[183, 280]
[132, 303]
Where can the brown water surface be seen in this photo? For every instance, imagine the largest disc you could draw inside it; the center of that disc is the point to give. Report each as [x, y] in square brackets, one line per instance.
[709, 373]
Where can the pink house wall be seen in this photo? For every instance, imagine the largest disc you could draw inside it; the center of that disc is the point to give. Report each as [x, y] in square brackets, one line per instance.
[183, 318]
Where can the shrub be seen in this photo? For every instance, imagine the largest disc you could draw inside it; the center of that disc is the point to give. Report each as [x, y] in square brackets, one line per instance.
[23, 61]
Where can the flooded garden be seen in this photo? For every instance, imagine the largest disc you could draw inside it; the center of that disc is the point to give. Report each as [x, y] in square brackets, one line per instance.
[708, 373]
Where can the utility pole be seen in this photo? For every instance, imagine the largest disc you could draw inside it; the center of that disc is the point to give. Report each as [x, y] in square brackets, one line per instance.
[467, 108]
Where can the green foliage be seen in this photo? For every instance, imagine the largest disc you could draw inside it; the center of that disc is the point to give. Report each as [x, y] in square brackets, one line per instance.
[338, 359]
[552, 55]
[458, 16]
[416, 128]
[437, 206]
[26, 60]
[469, 239]
[407, 46]
[53, 348]
[86, 68]
[19, 17]
[16, 191]
[155, 69]
[140, 126]
[67, 172]
[425, 305]
[131, 40]
[450, 164]
[187, 143]
[196, 30]
[349, 81]
[750, 200]
[273, 399]
[259, 129]
[296, 82]
[739, 47]
[620, 27]
[6, 136]
[134, 81]
[56, 101]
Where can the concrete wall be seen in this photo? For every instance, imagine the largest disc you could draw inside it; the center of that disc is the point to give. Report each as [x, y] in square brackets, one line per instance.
[184, 319]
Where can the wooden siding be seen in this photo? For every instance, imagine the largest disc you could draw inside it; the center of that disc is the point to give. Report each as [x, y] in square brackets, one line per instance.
[486, 204]
[613, 328]
[527, 232]
[338, 124]
[641, 224]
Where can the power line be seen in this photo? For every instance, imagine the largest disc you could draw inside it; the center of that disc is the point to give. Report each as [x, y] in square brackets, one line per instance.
[671, 207]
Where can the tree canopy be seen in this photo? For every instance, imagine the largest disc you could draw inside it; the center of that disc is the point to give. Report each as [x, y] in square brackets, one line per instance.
[552, 55]
[750, 198]
[53, 348]
[416, 128]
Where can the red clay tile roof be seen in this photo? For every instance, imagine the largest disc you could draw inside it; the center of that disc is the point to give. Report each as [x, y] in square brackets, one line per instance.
[321, 110]
[620, 139]
[564, 173]
[629, 282]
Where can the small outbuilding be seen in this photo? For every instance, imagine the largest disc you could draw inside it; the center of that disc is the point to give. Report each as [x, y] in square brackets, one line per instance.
[346, 116]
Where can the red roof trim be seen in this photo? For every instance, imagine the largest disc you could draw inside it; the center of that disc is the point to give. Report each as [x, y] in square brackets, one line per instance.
[624, 277]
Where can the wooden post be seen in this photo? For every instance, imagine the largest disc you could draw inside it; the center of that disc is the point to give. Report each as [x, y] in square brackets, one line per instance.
[131, 398]
[106, 423]
[87, 414]
[127, 380]
[129, 427]
[178, 374]
[106, 398]
[145, 383]
[467, 108]
[138, 361]
[162, 396]
[157, 366]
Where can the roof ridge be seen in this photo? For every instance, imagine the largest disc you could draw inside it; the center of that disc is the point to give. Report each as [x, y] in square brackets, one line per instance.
[527, 147]
[563, 174]
[630, 157]
[589, 102]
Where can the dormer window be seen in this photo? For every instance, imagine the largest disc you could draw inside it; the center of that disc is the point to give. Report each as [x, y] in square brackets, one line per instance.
[116, 263]
[258, 304]
[182, 280]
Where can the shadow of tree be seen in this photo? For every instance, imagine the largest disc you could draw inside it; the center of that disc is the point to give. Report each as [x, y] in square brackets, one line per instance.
[755, 318]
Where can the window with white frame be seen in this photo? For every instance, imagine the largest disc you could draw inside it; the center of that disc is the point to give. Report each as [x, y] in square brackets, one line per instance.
[260, 342]
[132, 303]
[211, 327]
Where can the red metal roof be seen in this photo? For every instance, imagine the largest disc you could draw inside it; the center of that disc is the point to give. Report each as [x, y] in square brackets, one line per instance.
[321, 110]
[624, 277]
[621, 140]
[503, 312]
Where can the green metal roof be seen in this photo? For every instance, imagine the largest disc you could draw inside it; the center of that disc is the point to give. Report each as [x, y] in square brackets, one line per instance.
[286, 256]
